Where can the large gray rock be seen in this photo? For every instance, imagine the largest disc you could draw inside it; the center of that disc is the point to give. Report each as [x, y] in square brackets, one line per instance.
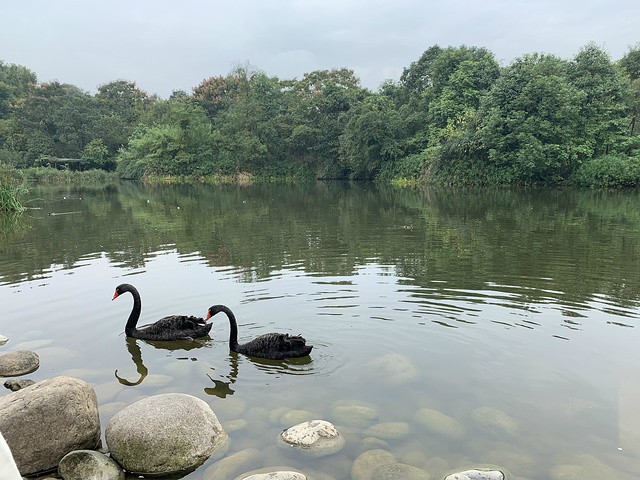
[315, 438]
[89, 464]
[162, 434]
[17, 363]
[49, 419]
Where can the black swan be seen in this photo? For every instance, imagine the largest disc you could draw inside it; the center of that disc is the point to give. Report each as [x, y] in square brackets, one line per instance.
[174, 327]
[274, 346]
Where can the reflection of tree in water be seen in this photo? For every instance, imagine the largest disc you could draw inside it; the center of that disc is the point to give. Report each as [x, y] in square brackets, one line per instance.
[136, 354]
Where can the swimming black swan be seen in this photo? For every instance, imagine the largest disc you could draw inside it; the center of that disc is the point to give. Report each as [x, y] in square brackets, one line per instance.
[174, 327]
[275, 346]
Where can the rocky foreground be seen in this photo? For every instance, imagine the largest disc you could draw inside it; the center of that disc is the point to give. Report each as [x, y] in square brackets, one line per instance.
[53, 427]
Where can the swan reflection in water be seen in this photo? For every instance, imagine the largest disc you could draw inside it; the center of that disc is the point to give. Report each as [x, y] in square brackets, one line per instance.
[136, 354]
[289, 366]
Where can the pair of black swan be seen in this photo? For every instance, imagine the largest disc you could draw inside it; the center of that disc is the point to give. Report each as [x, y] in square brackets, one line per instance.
[274, 346]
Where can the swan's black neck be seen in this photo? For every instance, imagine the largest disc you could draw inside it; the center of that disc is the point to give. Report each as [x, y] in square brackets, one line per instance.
[233, 327]
[130, 327]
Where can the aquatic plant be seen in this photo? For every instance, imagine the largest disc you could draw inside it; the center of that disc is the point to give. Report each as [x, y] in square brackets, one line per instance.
[11, 191]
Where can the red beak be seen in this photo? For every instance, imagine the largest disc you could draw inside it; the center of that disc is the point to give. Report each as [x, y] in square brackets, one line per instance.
[208, 316]
[115, 295]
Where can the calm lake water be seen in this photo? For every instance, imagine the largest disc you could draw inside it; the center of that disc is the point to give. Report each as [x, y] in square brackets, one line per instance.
[525, 302]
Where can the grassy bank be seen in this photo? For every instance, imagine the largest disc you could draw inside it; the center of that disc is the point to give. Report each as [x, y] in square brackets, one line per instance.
[52, 176]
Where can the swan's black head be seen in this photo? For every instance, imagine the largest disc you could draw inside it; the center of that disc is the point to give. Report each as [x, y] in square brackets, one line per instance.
[216, 309]
[120, 289]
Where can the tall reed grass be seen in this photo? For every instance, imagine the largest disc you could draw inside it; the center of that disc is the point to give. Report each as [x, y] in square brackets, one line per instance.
[11, 191]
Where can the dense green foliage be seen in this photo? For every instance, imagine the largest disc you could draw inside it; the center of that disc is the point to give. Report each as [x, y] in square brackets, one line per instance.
[455, 116]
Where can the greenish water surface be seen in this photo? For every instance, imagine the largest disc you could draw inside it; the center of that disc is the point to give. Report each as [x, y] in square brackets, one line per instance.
[463, 302]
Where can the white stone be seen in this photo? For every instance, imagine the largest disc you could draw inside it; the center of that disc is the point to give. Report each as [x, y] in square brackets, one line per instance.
[476, 475]
[316, 438]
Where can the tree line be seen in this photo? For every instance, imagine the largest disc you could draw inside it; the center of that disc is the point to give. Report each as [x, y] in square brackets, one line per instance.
[455, 116]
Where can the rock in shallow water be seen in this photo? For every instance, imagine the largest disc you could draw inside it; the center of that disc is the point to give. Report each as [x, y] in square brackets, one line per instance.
[162, 434]
[366, 463]
[438, 422]
[18, 363]
[395, 471]
[474, 474]
[89, 464]
[273, 473]
[231, 466]
[495, 422]
[15, 384]
[354, 414]
[49, 419]
[315, 438]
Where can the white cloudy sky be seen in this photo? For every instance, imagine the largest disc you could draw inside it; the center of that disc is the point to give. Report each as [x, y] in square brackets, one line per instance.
[165, 46]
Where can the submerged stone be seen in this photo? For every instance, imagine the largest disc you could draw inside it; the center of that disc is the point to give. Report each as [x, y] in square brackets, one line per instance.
[364, 466]
[395, 368]
[495, 422]
[388, 430]
[354, 414]
[18, 363]
[439, 423]
[231, 466]
[395, 471]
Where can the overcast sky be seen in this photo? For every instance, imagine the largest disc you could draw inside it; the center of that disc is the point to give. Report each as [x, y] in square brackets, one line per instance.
[165, 46]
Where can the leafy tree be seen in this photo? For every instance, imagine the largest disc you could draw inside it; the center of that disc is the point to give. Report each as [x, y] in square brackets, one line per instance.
[251, 129]
[97, 153]
[530, 118]
[17, 78]
[217, 94]
[369, 143]
[602, 114]
[180, 143]
[630, 64]
[317, 105]
[123, 98]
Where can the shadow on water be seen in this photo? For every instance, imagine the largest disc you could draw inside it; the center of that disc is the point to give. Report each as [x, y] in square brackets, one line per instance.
[136, 354]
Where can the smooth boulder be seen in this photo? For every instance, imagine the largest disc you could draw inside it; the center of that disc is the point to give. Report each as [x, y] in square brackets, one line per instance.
[163, 434]
[20, 362]
[51, 418]
[89, 464]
